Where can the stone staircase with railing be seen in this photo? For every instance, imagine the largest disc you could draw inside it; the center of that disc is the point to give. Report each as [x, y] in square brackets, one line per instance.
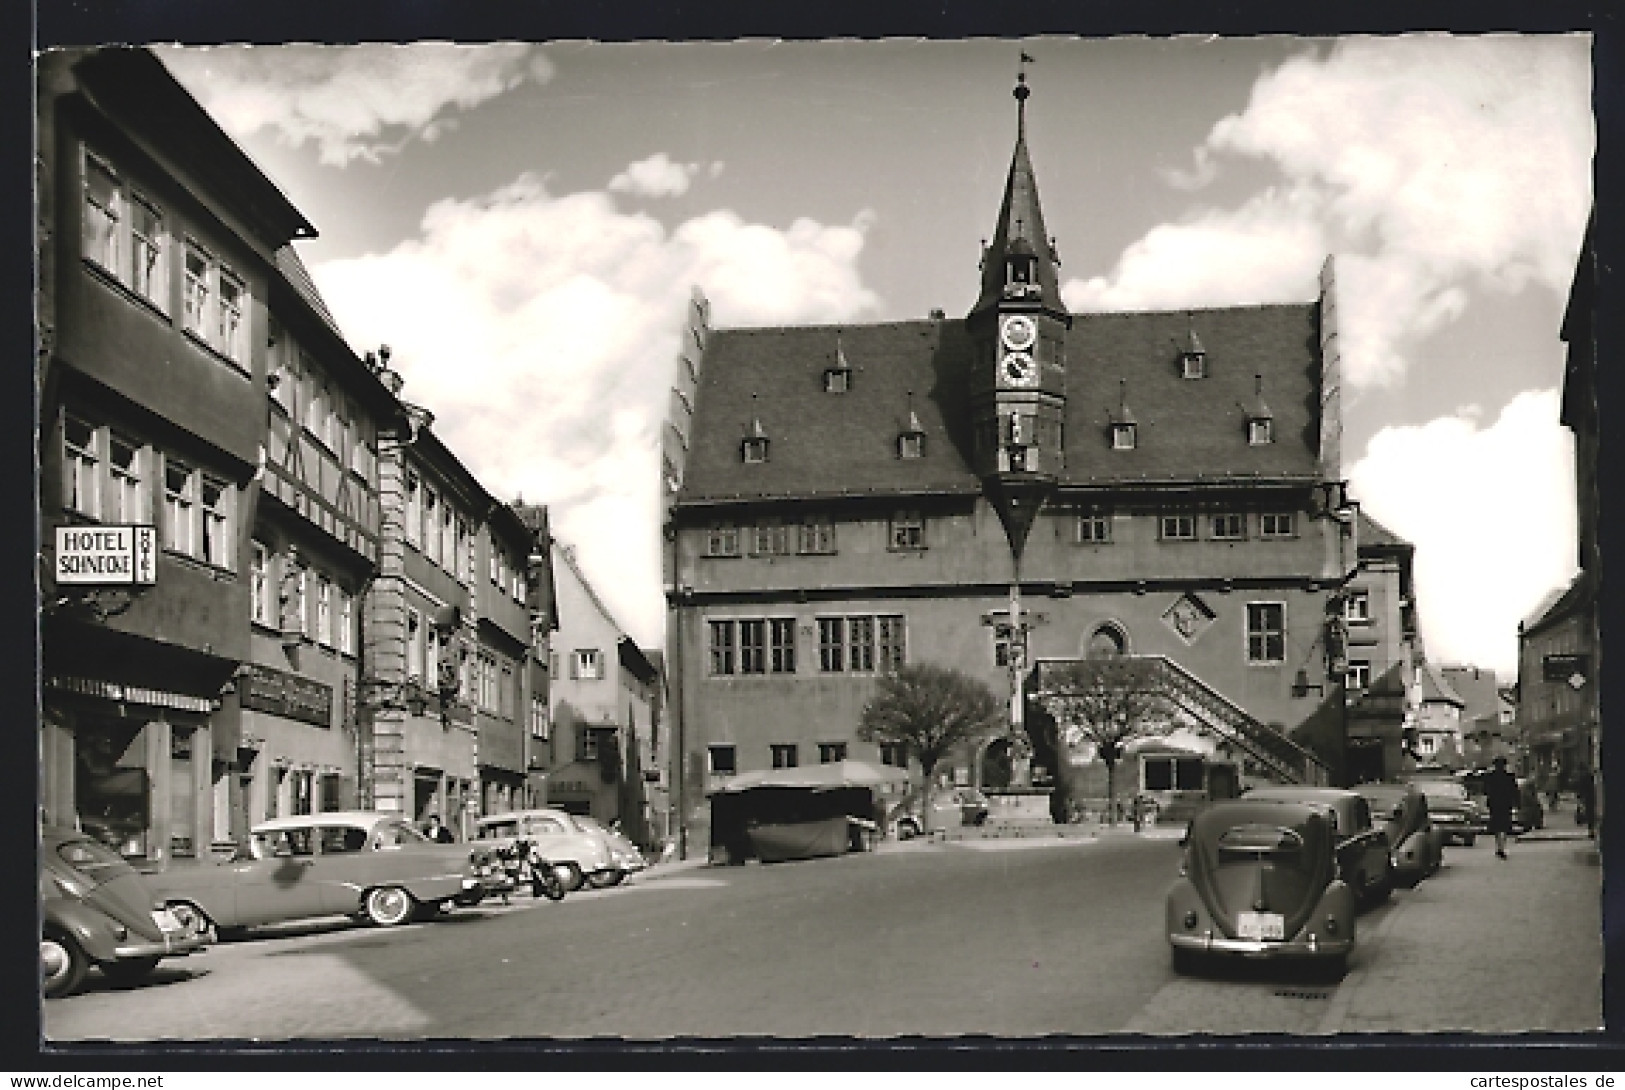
[1273, 752]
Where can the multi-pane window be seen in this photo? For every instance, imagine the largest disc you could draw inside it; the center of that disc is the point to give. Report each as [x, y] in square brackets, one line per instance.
[1094, 528]
[259, 584]
[414, 510]
[784, 755]
[724, 760]
[126, 493]
[180, 507]
[860, 634]
[772, 538]
[538, 718]
[816, 535]
[587, 665]
[81, 465]
[1359, 674]
[831, 644]
[214, 304]
[299, 600]
[864, 644]
[414, 644]
[346, 622]
[911, 445]
[782, 645]
[431, 524]
[1277, 524]
[215, 511]
[148, 269]
[722, 540]
[1357, 607]
[894, 754]
[1178, 527]
[1229, 527]
[908, 530]
[753, 645]
[104, 215]
[448, 538]
[505, 691]
[831, 752]
[1266, 632]
[324, 611]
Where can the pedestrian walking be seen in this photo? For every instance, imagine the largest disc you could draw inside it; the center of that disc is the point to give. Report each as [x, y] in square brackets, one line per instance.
[438, 832]
[1501, 796]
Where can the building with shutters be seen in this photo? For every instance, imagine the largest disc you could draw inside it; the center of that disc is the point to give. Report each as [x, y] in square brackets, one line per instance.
[987, 492]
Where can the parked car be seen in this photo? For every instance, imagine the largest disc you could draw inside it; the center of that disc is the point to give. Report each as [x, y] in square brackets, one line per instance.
[368, 865]
[96, 911]
[1417, 847]
[954, 806]
[1364, 857]
[625, 859]
[578, 854]
[1260, 880]
[1453, 813]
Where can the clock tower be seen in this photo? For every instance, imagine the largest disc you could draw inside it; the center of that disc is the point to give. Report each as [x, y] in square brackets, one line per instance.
[1018, 330]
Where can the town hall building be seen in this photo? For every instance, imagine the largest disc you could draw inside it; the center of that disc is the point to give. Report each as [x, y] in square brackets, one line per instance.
[1020, 485]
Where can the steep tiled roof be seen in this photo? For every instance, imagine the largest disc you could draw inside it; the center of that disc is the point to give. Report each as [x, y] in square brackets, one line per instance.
[834, 444]
[1374, 534]
[299, 279]
[1436, 688]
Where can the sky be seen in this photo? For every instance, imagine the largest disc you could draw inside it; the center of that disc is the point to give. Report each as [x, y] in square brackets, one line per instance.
[524, 224]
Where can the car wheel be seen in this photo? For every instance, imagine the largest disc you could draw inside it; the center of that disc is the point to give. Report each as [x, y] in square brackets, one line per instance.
[603, 879]
[62, 964]
[129, 972]
[570, 874]
[388, 906]
[1383, 887]
[1186, 962]
[191, 917]
[907, 830]
[549, 885]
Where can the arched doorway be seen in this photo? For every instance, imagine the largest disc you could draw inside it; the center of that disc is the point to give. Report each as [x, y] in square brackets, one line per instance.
[995, 765]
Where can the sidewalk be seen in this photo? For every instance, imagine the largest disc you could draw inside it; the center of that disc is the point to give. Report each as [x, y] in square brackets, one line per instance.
[1486, 946]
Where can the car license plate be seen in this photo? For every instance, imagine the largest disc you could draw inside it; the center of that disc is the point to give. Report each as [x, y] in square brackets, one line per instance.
[1261, 925]
[166, 920]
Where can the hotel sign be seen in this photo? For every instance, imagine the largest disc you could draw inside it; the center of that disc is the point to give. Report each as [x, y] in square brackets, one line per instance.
[117, 555]
[263, 689]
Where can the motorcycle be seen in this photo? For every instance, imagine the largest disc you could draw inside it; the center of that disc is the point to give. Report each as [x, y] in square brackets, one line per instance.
[524, 865]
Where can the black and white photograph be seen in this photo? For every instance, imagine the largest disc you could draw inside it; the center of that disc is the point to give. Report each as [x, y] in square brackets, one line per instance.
[1027, 538]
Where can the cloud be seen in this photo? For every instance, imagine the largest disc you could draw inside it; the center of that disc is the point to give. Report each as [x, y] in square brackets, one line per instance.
[353, 102]
[1431, 165]
[543, 331]
[658, 176]
[1483, 506]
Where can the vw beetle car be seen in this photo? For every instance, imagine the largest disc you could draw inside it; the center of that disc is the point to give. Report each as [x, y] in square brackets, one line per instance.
[368, 865]
[1261, 881]
[1418, 848]
[1453, 813]
[1364, 859]
[97, 911]
[578, 854]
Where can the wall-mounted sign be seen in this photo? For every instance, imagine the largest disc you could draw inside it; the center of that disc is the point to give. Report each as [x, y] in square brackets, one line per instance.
[132, 694]
[262, 688]
[1571, 669]
[109, 555]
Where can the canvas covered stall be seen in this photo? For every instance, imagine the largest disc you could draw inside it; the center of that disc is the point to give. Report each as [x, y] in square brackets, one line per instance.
[798, 813]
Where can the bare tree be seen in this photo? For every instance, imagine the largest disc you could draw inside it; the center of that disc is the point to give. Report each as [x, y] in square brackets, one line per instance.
[1106, 703]
[931, 710]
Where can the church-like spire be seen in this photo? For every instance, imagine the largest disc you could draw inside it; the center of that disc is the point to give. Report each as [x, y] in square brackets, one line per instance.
[1021, 261]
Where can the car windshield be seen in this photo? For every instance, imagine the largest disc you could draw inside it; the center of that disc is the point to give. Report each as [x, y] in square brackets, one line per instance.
[393, 834]
[1441, 789]
[95, 862]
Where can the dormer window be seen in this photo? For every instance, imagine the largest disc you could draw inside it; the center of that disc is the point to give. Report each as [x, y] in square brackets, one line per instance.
[1123, 436]
[837, 380]
[1260, 421]
[1125, 428]
[753, 448]
[911, 444]
[1192, 356]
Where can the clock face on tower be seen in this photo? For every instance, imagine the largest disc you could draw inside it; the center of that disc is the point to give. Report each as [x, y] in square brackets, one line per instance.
[1018, 332]
[1018, 369]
